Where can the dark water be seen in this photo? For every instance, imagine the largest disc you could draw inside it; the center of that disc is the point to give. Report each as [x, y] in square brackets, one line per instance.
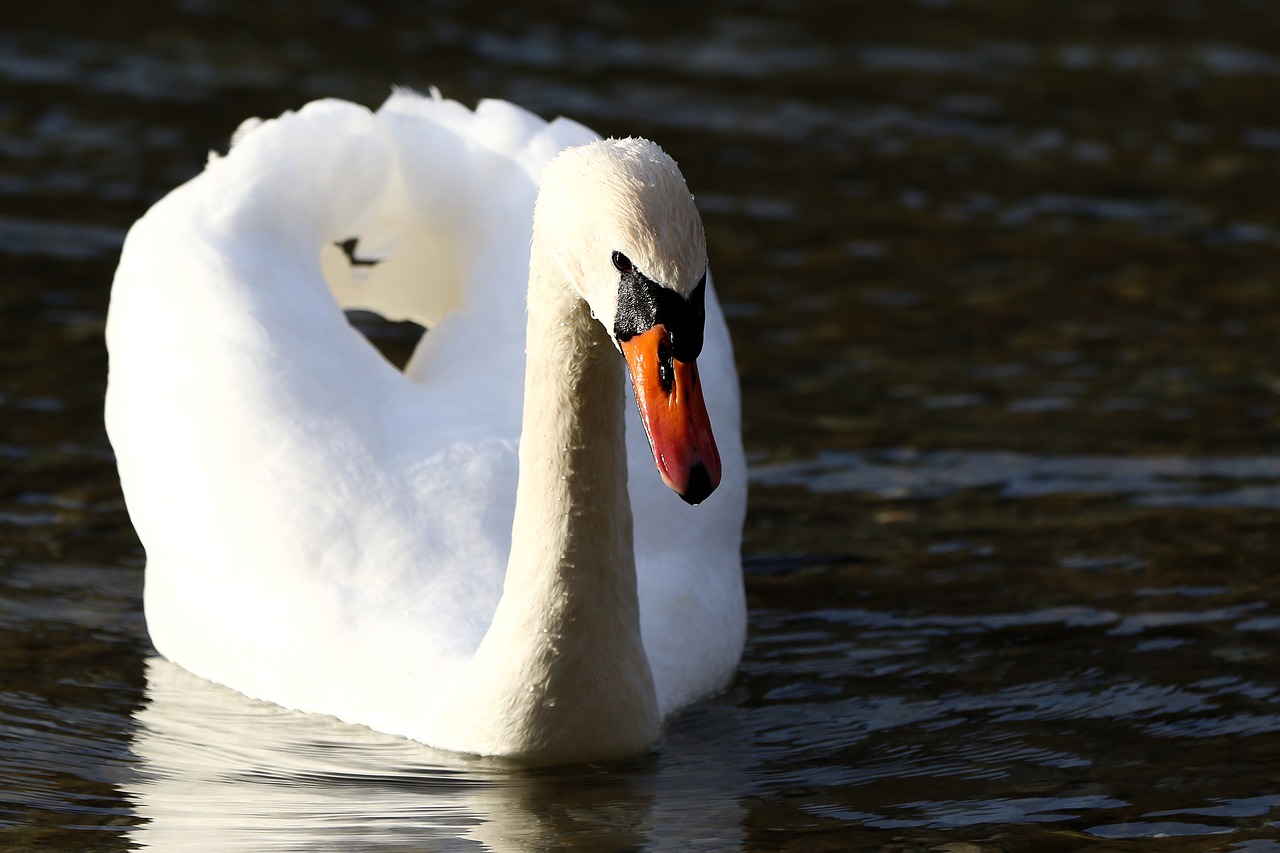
[1003, 282]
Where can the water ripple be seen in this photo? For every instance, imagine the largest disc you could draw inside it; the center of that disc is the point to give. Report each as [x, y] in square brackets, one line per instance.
[57, 239]
[1167, 481]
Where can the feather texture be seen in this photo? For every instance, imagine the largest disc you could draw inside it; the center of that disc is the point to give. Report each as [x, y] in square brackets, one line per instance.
[330, 533]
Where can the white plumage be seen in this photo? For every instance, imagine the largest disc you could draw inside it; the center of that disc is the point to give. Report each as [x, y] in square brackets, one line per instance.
[331, 534]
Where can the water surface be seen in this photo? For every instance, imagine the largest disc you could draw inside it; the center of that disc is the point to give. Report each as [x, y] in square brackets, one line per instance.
[1002, 281]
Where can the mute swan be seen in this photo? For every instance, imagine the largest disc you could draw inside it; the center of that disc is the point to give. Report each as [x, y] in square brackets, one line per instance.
[475, 552]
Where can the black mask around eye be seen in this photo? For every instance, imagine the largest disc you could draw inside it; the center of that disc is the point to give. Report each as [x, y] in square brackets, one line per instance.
[643, 304]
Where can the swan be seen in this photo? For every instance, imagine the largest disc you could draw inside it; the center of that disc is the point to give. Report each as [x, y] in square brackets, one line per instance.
[473, 552]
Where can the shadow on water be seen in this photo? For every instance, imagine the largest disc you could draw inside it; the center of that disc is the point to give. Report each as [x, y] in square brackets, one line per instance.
[1002, 280]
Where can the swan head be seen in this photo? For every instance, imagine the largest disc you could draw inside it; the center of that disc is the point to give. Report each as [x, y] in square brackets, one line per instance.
[621, 226]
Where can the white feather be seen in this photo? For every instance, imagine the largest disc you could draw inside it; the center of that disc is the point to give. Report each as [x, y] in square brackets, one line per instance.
[322, 530]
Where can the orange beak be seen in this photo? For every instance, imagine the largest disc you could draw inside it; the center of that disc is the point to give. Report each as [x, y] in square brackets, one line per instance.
[675, 417]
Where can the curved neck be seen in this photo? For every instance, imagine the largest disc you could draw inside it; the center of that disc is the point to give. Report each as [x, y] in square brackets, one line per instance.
[562, 670]
[573, 516]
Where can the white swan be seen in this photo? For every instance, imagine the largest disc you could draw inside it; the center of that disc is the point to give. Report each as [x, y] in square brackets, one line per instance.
[333, 535]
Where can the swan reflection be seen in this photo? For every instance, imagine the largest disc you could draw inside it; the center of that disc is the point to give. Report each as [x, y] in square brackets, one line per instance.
[218, 771]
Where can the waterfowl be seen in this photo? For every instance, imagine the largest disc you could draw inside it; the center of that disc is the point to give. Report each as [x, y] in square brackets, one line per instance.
[475, 551]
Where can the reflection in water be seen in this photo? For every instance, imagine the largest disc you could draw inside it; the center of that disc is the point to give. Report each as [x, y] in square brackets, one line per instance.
[220, 772]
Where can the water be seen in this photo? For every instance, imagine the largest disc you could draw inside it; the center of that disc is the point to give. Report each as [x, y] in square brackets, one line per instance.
[1002, 279]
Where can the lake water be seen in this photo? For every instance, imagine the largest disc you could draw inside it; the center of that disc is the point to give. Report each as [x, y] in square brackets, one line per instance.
[1003, 283]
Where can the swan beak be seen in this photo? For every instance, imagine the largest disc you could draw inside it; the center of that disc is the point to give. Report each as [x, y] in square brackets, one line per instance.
[669, 396]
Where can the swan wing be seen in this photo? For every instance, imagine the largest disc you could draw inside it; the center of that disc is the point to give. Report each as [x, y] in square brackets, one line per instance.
[323, 530]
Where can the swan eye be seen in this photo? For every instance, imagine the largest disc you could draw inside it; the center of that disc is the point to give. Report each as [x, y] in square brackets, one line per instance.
[622, 263]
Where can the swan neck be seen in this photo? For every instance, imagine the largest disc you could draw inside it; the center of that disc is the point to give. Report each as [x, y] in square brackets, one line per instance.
[562, 671]
[572, 490]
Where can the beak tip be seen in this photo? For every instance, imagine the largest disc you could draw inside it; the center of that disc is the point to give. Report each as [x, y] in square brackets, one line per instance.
[700, 485]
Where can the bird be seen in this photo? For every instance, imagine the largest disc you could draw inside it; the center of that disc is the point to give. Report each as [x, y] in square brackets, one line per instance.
[473, 551]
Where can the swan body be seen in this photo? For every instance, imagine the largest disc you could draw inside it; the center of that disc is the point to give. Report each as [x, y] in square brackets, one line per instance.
[475, 552]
